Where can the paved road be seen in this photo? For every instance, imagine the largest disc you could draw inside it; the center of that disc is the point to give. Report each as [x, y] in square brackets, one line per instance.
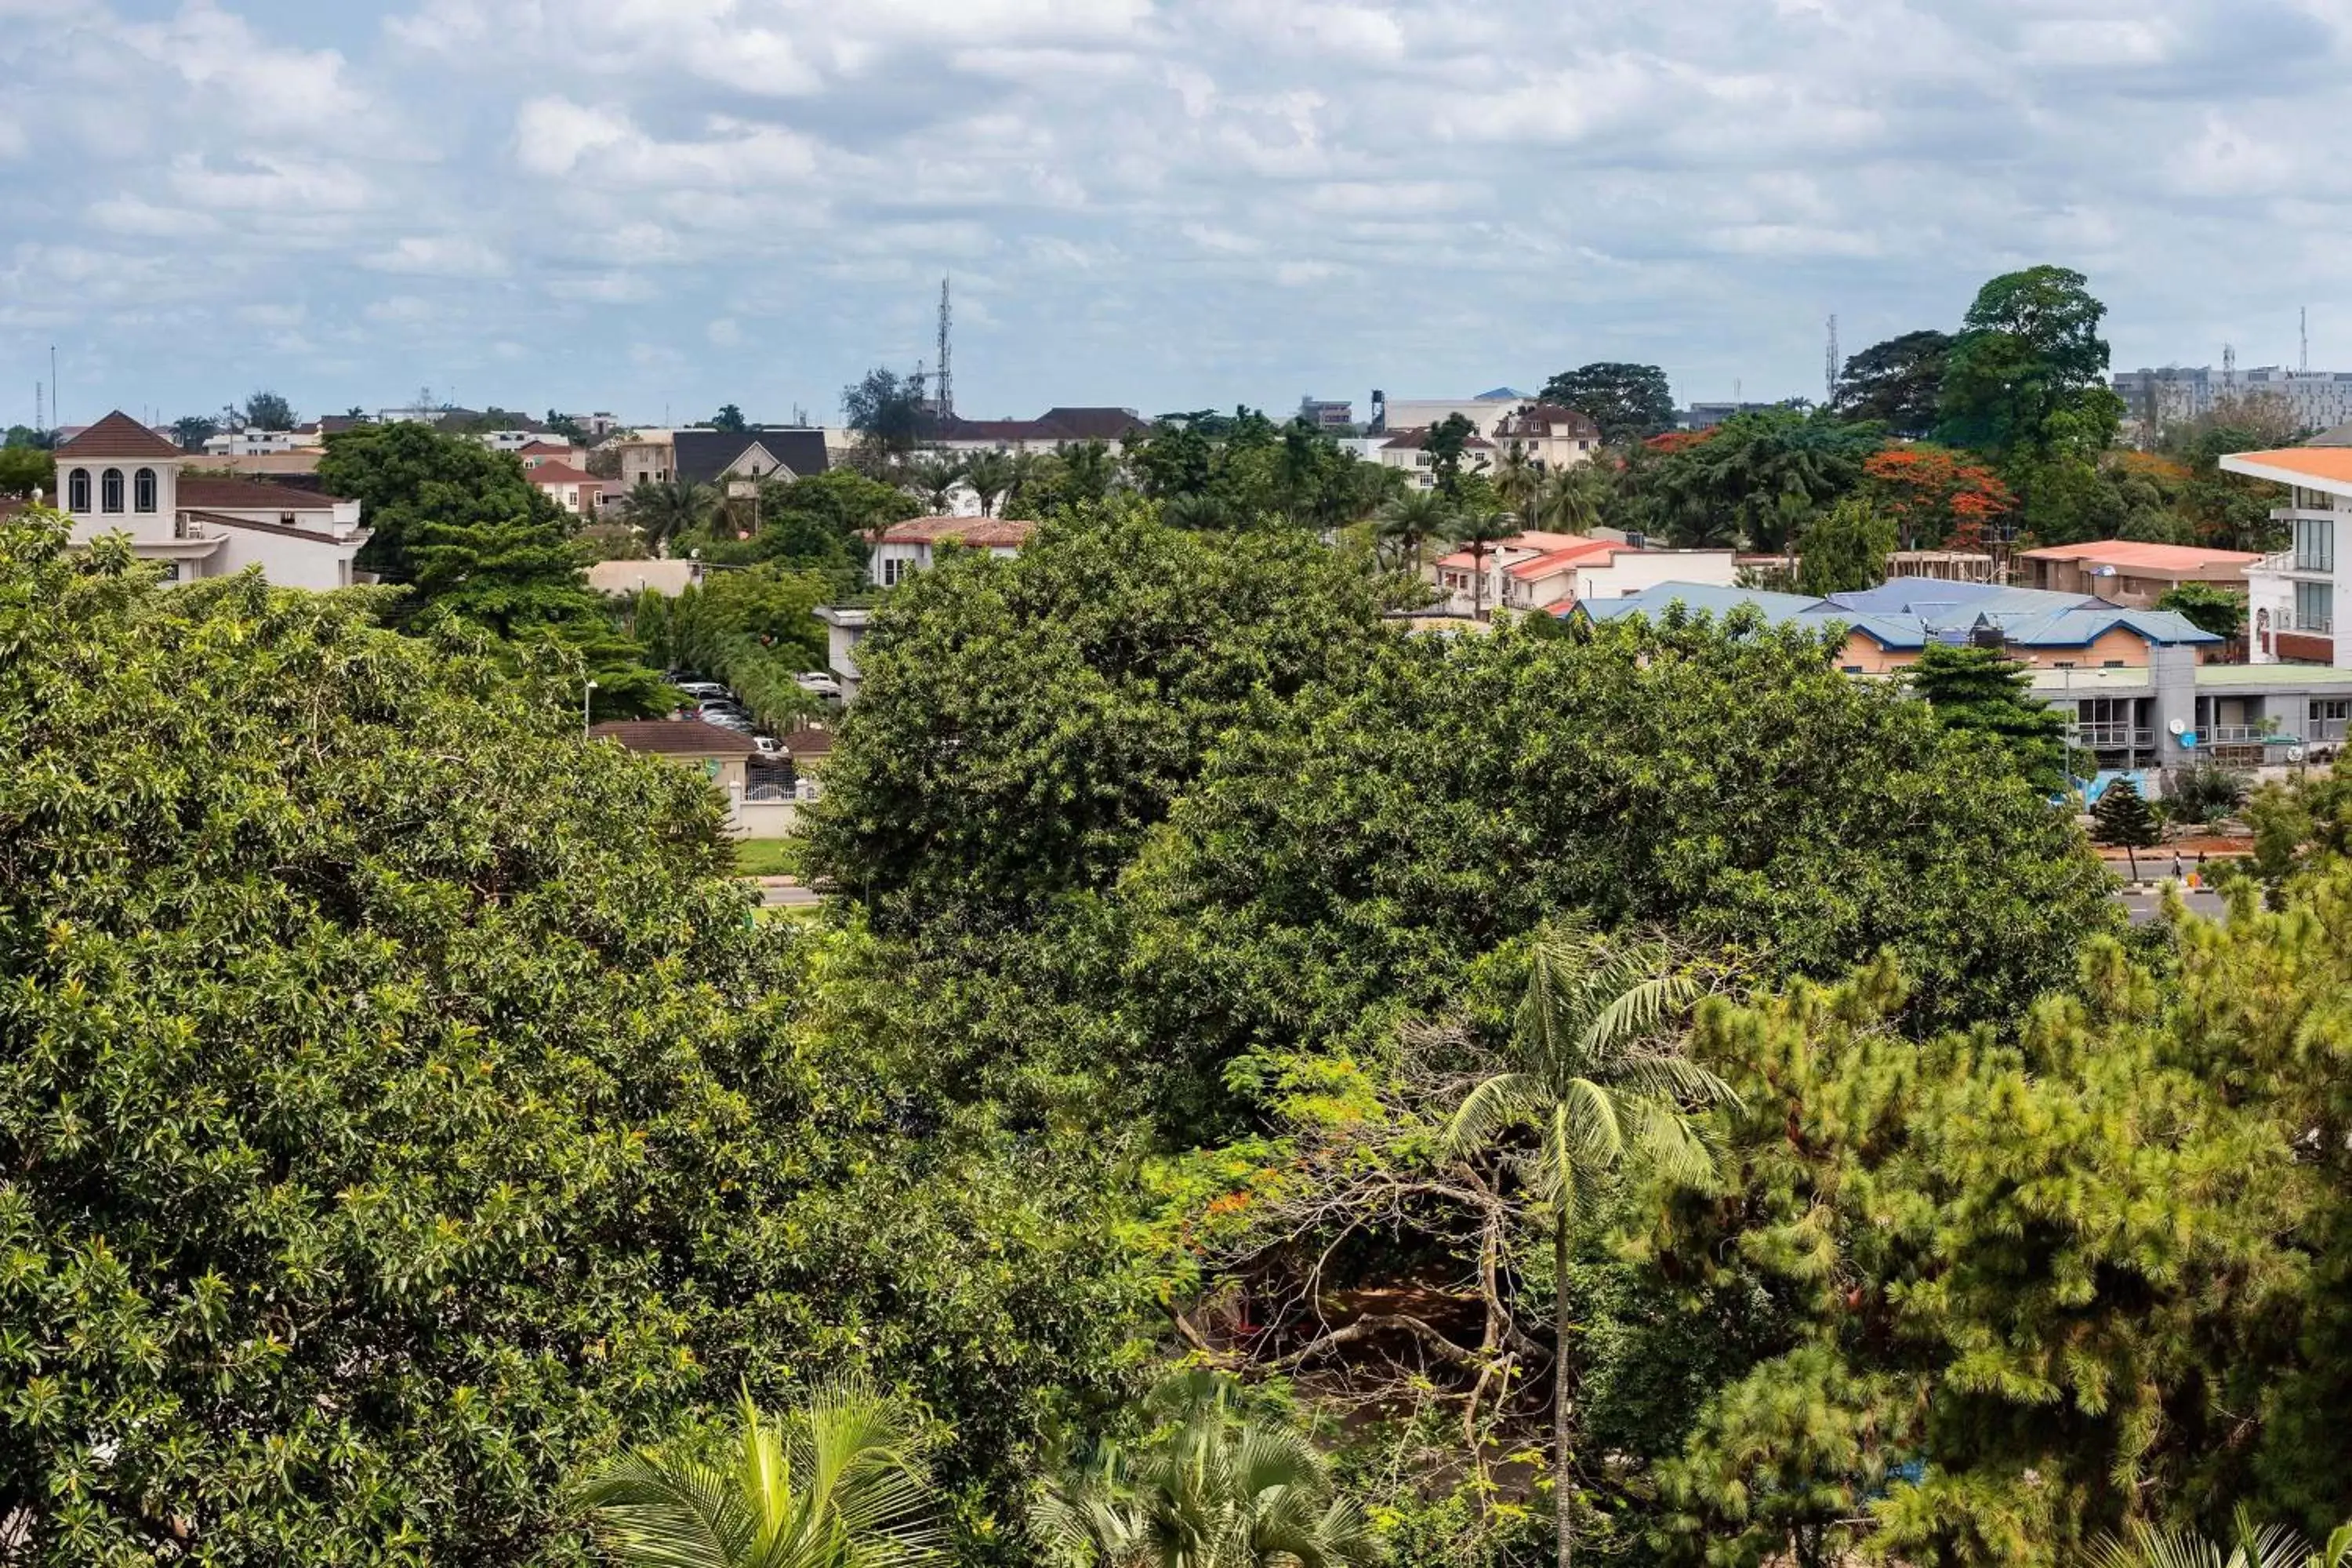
[784, 894]
[2144, 907]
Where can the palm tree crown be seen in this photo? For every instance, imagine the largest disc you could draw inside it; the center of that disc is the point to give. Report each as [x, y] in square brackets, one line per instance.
[838, 1484]
[1411, 520]
[1211, 1490]
[1595, 1084]
[666, 510]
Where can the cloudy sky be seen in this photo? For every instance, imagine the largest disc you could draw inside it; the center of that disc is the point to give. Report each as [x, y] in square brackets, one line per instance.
[658, 206]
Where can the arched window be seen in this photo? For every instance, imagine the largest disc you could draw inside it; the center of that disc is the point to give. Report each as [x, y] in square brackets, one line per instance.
[142, 490]
[109, 490]
[77, 490]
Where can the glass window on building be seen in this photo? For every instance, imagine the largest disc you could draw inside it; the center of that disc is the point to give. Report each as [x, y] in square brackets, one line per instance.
[2315, 545]
[2314, 606]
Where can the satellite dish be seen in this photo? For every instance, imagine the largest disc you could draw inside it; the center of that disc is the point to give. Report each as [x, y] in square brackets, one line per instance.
[2178, 726]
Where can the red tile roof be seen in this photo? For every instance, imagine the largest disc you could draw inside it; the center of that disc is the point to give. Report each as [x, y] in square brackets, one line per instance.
[543, 450]
[1591, 553]
[675, 737]
[980, 532]
[119, 436]
[2154, 557]
[561, 474]
[206, 492]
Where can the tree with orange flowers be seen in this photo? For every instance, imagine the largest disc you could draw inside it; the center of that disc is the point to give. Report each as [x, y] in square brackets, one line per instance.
[1936, 497]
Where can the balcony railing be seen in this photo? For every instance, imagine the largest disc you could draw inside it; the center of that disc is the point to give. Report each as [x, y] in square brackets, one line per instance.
[2235, 735]
[2110, 737]
[2294, 561]
[2313, 625]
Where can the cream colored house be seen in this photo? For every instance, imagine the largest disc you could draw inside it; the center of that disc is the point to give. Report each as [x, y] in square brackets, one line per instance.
[118, 476]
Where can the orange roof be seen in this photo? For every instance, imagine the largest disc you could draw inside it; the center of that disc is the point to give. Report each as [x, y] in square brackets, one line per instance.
[2152, 557]
[1536, 540]
[2292, 465]
[980, 532]
[1558, 560]
[558, 474]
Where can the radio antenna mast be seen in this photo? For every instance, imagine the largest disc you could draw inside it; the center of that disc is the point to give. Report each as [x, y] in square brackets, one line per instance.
[947, 387]
[1831, 369]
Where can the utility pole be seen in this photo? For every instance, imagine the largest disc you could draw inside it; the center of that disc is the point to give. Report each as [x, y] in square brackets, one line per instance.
[1829, 372]
[57, 411]
[946, 404]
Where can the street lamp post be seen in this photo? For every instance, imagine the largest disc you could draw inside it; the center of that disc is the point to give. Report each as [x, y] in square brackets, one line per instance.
[586, 692]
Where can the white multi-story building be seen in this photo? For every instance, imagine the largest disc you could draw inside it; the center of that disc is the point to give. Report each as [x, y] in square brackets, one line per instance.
[2315, 399]
[250, 443]
[118, 476]
[2292, 596]
[1538, 571]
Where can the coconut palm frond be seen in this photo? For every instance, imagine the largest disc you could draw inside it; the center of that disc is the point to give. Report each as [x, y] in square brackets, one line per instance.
[1636, 1012]
[1492, 1108]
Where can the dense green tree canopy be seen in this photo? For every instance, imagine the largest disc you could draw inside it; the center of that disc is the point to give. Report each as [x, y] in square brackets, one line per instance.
[408, 475]
[398, 1112]
[2028, 371]
[1846, 549]
[1629, 402]
[1983, 691]
[27, 469]
[1021, 723]
[1349, 855]
[1897, 383]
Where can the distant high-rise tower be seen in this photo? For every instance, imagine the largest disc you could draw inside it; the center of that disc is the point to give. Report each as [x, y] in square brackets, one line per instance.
[2303, 323]
[946, 404]
[2230, 371]
[1830, 370]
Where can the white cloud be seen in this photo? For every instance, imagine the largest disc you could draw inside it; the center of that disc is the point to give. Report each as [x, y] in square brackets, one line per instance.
[1150, 202]
[439, 256]
[723, 332]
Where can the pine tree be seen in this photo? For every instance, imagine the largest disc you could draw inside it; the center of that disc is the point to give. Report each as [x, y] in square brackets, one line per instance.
[2123, 818]
[1982, 689]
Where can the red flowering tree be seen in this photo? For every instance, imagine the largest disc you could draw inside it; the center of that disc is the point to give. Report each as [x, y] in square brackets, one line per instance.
[1936, 496]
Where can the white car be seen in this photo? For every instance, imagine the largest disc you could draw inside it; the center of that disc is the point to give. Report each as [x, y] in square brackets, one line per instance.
[818, 682]
[769, 745]
[700, 688]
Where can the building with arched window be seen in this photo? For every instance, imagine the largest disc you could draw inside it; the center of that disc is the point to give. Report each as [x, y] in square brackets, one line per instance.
[119, 477]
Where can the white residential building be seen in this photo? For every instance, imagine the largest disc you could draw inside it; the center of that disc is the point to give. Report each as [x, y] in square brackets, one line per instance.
[2292, 596]
[118, 476]
[574, 490]
[251, 443]
[1409, 450]
[1486, 411]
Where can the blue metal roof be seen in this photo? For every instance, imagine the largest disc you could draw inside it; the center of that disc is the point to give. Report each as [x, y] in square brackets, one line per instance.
[1911, 613]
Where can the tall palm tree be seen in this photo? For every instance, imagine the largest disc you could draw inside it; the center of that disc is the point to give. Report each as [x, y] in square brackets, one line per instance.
[1569, 498]
[990, 474]
[1594, 1084]
[1213, 1490]
[931, 479]
[1412, 520]
[1479, 533]
[1519, 480]
[668, 510]
[838, 1484]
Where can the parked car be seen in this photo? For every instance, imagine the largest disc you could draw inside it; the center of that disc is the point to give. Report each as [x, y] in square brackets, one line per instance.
[818, 682]
[769, 745]
[718, 705]
[702, 689]
[738, 722]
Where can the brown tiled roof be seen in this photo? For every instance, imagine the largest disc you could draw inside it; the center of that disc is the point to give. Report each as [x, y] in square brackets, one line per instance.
[119, 436]
[980, 532]
[209, 492]
[543, 450]
[675, 737]
[808, 742]
[558, 474]
[223, 519]
[1096, 424]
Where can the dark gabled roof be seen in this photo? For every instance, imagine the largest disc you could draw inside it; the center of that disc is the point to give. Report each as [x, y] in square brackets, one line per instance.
[675, 737]
[1096, 424]
[120, 436]
[702, 456]
[206, 492]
